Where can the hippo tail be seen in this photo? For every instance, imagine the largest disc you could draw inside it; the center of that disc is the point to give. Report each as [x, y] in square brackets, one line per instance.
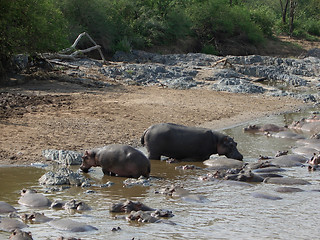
[142, 137]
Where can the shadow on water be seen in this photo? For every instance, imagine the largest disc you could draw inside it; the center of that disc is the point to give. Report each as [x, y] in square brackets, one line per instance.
[229, 212]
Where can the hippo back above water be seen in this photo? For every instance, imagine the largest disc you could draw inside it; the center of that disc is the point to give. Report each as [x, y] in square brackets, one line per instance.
[187, 143]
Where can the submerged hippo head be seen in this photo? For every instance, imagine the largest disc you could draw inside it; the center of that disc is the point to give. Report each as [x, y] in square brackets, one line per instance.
[251, 128]
[228, 147]
[18, 234]
[88, 161]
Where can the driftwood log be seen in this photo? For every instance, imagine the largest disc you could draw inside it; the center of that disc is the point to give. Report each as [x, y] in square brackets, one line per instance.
[71, 53]
[225, 62]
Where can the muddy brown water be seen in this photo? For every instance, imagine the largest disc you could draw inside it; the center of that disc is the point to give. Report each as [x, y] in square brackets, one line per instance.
[229, 211]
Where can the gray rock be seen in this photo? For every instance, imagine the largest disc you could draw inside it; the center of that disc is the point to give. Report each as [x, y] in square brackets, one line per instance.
[63, 176]
[63, 156]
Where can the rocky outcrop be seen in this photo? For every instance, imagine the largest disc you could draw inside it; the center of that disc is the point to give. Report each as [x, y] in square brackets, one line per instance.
[63, 156]
[239, 74]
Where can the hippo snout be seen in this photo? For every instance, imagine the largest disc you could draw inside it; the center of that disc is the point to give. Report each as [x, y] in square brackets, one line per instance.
[84, 169]
[235, 155]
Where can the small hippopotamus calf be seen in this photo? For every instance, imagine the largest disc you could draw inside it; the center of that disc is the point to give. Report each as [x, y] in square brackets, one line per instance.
[117, 160]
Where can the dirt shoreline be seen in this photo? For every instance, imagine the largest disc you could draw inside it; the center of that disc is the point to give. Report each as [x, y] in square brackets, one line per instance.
[65, 116]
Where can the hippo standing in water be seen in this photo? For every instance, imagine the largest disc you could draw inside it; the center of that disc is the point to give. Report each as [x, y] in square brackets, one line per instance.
[187, 143]
[117, 160]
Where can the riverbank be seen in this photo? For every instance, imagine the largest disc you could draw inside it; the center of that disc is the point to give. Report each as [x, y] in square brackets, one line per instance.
[60, 115]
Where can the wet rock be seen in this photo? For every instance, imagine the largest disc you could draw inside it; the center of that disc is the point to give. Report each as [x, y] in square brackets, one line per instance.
[64, 176]
[76, 205]
[150, 217]
[185, 195]
[6, 208]
[187, 167]
[71, 225]
[17, 234]
[141, 216]
[142, 181]
[129, 206]
[109, 183]
[31, 198]
[63, 156]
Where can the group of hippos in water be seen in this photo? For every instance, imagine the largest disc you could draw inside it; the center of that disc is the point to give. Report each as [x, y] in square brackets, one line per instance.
[165, 139]
[181, 143]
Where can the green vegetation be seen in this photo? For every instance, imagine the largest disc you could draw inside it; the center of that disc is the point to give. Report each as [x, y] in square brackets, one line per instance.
[29, 26]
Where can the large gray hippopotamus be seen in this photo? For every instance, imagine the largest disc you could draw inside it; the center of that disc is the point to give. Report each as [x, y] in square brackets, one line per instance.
[117, 160]
[187, 143]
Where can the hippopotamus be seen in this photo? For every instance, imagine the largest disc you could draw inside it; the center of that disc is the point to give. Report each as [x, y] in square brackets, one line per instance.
[286, 134]
[31, 198]
[265, 196]
[35, 217]
[288, 189]
[117, 160]
[290, 160]
[71, 225]
[6, 208]
[307, 152]
[315, 160]
[312, 126]
[223, 163]
[286, 181]
[9, 224]
[187, 143]
[264, 128]
[17, 234]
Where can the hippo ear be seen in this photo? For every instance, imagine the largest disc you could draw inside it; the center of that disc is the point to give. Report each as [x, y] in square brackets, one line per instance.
[226, 140]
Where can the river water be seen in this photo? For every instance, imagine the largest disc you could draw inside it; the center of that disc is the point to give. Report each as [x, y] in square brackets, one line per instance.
[228, 211]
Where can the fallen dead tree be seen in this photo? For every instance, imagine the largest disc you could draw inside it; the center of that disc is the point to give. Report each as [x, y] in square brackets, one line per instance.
[72, 53]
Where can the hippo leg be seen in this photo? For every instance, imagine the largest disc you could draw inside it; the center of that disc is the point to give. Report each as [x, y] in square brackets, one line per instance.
[106, 172]
[154, 156]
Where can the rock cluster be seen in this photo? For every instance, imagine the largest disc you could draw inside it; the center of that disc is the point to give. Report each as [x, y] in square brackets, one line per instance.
[63, 176]
[63, 156]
